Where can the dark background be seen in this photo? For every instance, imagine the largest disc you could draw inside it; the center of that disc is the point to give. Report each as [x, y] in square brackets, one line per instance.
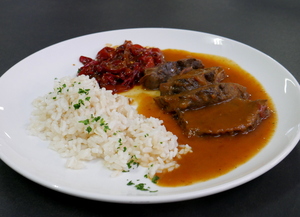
[269, 26]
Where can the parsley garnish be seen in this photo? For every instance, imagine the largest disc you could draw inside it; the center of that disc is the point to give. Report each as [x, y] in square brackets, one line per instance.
[88, 129]
[59, 89]
[155, 179]
[85, 122]
[80, 102]
[83, 91]
[102, 123]
[76, 106]
[130, 183]
[132, 163]
[94, 119]
[140, 186]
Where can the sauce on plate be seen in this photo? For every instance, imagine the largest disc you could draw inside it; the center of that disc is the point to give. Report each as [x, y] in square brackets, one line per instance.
[211, 156]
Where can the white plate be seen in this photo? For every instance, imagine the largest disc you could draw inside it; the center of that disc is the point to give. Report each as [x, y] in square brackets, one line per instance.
[33, 77]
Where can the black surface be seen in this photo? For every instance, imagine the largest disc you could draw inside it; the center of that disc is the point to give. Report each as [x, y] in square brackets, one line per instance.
[272, 27]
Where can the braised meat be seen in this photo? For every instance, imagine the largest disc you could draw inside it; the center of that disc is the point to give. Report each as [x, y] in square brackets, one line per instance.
[201, 104]
[232, 117]
[155, 76]
[204, 96]
[191, 80]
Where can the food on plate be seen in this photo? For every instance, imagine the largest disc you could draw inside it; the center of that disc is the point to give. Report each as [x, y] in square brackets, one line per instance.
[192, 80]
[219, 153]
[230, 117]
[119, 69]
[156, 75]
[203, 96]
[215, 109]
[186, 117]
[84, 122]
[191, 94]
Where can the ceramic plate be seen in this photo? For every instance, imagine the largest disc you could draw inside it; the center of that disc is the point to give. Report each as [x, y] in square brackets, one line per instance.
[33, 77]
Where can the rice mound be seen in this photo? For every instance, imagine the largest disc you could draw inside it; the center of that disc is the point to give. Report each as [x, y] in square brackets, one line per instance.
[84, 122]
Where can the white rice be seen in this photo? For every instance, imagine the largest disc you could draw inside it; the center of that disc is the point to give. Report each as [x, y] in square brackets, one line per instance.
[105, 126]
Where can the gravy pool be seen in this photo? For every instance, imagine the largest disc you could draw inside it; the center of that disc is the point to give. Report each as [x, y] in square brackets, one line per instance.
[211, 156]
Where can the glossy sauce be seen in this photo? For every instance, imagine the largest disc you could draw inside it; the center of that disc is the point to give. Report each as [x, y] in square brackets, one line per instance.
[211, 156]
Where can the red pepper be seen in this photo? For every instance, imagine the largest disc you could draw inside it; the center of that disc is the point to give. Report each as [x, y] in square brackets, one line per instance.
[120, 68]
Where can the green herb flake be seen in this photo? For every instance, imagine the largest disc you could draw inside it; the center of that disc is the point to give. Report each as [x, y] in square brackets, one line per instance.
[129, 164]
[132, 163]
[134, 157]
[95, 119]
[120, 141]
[85, 122]
[141, 187]
[59, 89]
[155, 179]
[89, 129]
[80, 102]
[83, 91]
[106, 128]
[130, 183]
[76, 106]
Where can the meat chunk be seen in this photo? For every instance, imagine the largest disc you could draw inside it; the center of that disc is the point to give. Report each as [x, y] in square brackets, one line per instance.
[191, 80]
[155, 76]
[232, 117]
[204, 96]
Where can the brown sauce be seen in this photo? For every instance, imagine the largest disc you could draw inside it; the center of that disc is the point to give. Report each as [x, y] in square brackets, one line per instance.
[211, 156]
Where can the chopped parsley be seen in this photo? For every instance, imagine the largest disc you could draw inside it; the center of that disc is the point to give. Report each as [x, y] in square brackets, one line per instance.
[92, 119]
[132, 163]
[85, 122]
[89, 129]
[140, 186]
[104, 125]
[77, 106]
[155, 179]
[120, 144]
[130, 183]
[83, 91]
[59, 89]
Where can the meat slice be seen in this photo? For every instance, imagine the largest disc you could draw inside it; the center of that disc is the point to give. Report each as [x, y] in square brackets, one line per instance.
[191, 80]
[204, 96]
[155, 76]
[232, 117]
